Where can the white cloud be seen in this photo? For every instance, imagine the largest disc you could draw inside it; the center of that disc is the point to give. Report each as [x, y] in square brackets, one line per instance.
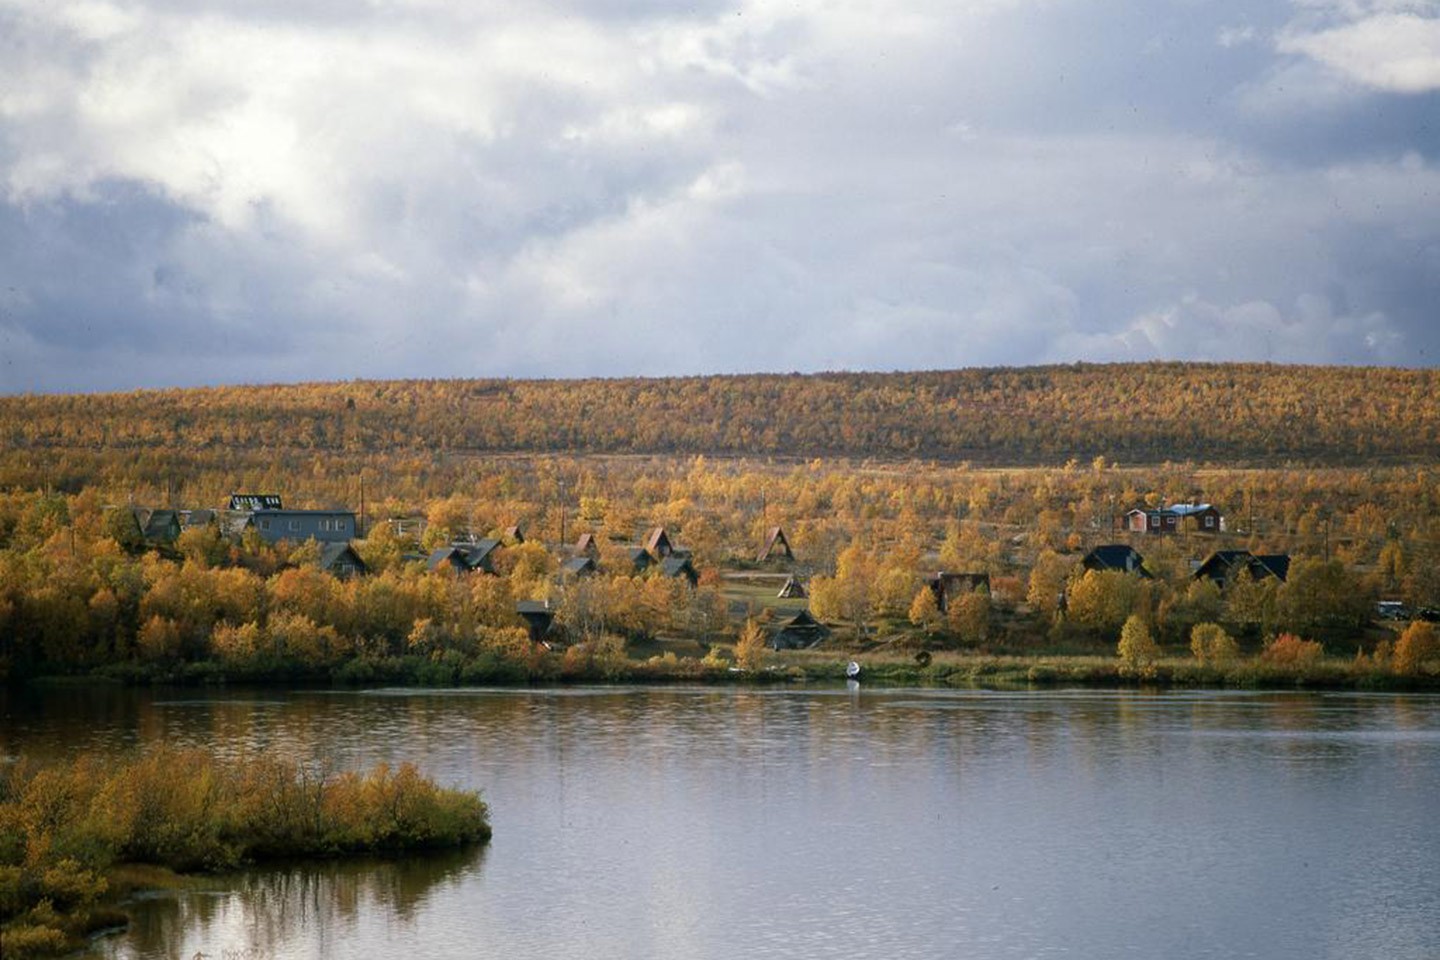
[1397, 52]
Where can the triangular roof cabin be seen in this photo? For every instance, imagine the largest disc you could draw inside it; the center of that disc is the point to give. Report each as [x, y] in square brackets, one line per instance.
[513, 534]
[658, 544]
[776, 547]
[799, 632]
[465, 557]
[586, 546]
[640, 559]
[538, 616]
[159, 526]
[793, 590]
[341, 560]
[680, 567]
[1116, 556]
[578, 566]
[1222, 566]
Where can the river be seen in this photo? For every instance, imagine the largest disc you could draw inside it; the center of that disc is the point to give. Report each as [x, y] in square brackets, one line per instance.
[809, 823]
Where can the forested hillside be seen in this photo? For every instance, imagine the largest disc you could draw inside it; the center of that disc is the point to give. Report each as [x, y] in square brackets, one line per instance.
[1136, 413]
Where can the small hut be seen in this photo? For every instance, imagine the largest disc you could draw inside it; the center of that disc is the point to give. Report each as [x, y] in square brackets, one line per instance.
[538, 616]
[793, 590]
[677, 566]
[800, 632]
[658, 544]
[776, 547]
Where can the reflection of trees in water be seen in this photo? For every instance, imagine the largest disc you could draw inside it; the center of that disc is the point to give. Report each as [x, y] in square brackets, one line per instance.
[263, 911]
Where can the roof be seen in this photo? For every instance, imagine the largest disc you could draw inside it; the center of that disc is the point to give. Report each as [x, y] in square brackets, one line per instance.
[1220, 564]
[578, 565]
[674, 566]
[470, 556]
[1115, 556]
[197, 518]
[775, 537]
[159, 524]
[586, 543]
[255, 501]
[658, 539]
[1188, 509]
[1276, 564]
[332, 553]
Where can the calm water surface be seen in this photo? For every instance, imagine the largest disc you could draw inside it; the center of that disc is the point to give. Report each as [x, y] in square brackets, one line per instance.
[700, 823]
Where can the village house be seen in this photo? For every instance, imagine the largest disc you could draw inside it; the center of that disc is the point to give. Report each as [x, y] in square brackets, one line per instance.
[776, 547]
[1223, 566]
[679, 566]
[586, 547]
[800, 632]
[792, 590]
[341, 560]
[658, 544]
[1115, 556]
[265, 514]
[581, 566]
[465, 557]
[1175, 518]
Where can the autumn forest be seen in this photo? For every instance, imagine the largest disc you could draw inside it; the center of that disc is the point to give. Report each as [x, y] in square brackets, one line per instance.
[877, 480]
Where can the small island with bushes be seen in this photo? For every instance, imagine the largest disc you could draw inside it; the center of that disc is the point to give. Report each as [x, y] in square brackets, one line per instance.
[77, 837]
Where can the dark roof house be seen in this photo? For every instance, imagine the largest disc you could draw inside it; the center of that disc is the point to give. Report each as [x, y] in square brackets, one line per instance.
[159, 526]
[1115, 556]
[1222, 566]
[464, 557]
[640, 559]
[190, 519]
[799, 632]
[581, 566]
[674, 566]
[538, 616]
[341, 560]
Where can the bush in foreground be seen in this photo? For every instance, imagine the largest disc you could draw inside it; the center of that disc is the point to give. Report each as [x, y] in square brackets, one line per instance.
[64, 827]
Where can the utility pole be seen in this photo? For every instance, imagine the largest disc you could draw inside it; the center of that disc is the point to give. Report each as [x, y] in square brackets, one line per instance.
[361, 532]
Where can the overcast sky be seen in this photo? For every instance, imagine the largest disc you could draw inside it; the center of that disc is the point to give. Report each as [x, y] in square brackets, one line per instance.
[223, 191]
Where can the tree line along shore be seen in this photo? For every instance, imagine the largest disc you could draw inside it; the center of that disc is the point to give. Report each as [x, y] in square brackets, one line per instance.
[82, 593]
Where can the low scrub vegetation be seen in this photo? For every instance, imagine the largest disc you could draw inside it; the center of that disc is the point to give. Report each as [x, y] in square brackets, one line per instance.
[66, 828]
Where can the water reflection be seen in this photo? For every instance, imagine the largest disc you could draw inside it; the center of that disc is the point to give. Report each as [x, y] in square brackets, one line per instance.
[808, 823]
[296, 911]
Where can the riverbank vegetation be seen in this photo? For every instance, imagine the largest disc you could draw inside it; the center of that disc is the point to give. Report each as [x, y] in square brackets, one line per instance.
[76, 837]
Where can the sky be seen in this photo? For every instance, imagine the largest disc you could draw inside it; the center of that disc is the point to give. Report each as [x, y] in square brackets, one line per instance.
[254, 191]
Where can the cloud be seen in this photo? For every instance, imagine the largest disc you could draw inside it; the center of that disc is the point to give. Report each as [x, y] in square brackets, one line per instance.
[213, 190]
[1394, 52]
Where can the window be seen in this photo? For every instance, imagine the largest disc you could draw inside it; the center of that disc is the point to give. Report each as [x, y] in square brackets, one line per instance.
[1209, 521]
[295, 525]
[264, 524]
